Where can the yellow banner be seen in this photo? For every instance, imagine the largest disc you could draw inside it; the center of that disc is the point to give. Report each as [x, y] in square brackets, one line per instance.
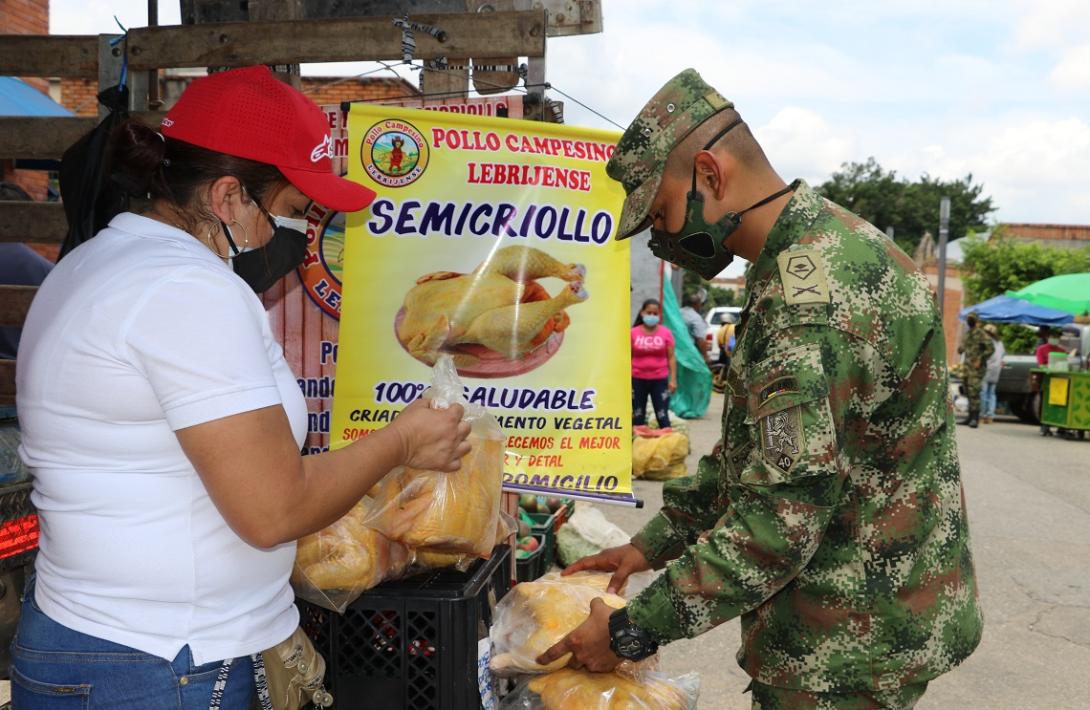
[491, 239]
[1057, 391]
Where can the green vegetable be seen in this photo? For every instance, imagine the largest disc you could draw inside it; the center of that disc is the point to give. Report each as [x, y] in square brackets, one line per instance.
[571, 546]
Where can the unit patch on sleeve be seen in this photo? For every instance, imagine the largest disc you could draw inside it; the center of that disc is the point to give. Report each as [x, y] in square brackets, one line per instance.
[781, 437]
[803, 275]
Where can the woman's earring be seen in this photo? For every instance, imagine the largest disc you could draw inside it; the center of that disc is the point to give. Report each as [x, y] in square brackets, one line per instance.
[245, 232]
[211, 239]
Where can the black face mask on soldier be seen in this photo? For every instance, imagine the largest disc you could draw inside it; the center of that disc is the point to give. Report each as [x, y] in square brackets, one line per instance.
[700, 245]
[262, 267]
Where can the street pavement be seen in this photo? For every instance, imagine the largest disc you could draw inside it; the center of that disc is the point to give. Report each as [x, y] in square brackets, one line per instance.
[1029, 514]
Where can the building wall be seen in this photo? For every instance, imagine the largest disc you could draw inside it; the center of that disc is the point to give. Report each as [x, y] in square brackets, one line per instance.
[26, 17]
[954, 298]
[334, 90]
[646, 273]
[1047, 232]
[78, 95]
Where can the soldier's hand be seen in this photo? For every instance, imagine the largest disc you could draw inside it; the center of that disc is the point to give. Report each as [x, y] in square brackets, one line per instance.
[621, 561]
[588, 644]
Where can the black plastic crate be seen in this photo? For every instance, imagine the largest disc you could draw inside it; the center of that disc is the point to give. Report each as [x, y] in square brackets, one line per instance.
[18, 526]
[529, 568]
[411, 644]
[545, 527]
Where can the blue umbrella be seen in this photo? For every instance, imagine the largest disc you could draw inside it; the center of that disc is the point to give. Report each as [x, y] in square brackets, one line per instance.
[1004, 309]
[17, 98]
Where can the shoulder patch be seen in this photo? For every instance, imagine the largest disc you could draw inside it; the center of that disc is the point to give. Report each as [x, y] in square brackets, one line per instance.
[802, 273]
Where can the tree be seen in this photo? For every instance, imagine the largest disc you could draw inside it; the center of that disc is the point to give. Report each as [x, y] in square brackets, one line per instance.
[991, 268]
[717, 296]
[911, 208]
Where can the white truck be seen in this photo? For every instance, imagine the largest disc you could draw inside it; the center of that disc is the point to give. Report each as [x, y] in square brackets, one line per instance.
[716, 318]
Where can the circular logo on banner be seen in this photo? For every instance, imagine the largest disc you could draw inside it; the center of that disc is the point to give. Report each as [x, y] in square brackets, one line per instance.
[394, 153]
[323, 264]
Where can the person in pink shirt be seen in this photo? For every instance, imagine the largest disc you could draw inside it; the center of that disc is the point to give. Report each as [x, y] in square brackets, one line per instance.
[654, 369]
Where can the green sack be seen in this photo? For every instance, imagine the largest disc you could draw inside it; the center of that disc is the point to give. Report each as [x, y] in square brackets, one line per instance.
[694, 379]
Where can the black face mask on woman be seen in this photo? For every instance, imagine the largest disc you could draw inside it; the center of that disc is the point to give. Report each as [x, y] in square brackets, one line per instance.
[262, 267]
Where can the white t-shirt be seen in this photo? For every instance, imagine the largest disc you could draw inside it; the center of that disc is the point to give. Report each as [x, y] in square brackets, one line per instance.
[137, 333]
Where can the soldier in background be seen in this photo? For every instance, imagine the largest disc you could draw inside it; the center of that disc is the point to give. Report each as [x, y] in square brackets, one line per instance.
[831, 516]
[976, 348]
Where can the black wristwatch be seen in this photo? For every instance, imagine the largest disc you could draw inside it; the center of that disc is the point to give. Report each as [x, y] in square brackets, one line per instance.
[628, 640]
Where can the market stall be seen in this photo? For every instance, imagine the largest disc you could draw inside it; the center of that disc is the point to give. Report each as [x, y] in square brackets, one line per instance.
[436, 288]
[1065, 399]
[1007, 309]
[1069, 293]
[1064, 384]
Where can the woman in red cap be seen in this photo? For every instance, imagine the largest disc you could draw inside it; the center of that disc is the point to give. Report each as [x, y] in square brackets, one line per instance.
[163, 426]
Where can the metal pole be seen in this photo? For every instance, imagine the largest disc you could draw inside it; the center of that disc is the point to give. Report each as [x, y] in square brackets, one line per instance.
[944, 232]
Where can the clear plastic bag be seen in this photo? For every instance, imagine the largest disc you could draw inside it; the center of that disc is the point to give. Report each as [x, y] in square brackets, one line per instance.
[533, 617]
[337, 564]
[659, 454]
[570, 688]
[453, 513]
[633, 585]
[587, 532]
[412, 519]
[428, 558]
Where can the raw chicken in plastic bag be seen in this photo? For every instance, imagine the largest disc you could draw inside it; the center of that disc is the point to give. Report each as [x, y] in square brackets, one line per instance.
[633, 585]
[447, 512]
[533, 617]
[569, 688]
[337, 564]
[412, 519]
[428, 558]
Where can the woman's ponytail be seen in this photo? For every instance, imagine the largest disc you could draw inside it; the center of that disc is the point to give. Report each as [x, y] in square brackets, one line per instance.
[137, 157]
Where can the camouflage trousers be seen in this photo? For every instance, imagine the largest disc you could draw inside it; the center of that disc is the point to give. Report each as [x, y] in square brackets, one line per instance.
[767, 697]
[974, 383]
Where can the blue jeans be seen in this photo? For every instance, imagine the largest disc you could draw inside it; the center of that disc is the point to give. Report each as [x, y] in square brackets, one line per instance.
[987, 399]
[57, 668]
[660, 401]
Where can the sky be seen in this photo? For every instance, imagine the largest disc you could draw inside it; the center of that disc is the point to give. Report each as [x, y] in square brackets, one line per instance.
[996, 88]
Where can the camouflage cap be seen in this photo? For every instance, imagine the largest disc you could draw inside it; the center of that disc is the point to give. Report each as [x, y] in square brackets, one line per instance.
[682, 104]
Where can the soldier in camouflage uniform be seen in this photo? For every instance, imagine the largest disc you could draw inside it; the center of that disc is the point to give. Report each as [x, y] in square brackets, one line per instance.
[977, 348]
[830, 517]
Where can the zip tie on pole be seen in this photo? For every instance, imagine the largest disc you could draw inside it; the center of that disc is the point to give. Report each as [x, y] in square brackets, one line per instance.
[124, 38]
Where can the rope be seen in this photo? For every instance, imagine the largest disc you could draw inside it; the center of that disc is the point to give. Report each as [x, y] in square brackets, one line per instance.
[449, 94]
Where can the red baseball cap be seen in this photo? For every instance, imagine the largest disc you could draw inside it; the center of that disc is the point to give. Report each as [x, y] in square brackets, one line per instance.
[250, 114]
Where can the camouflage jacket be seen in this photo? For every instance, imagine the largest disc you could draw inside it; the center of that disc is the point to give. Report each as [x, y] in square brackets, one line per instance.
[831, 516]
[978, 347]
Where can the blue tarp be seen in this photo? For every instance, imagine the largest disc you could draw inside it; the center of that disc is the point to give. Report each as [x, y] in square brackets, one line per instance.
[18, 98]
[1004, 309]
